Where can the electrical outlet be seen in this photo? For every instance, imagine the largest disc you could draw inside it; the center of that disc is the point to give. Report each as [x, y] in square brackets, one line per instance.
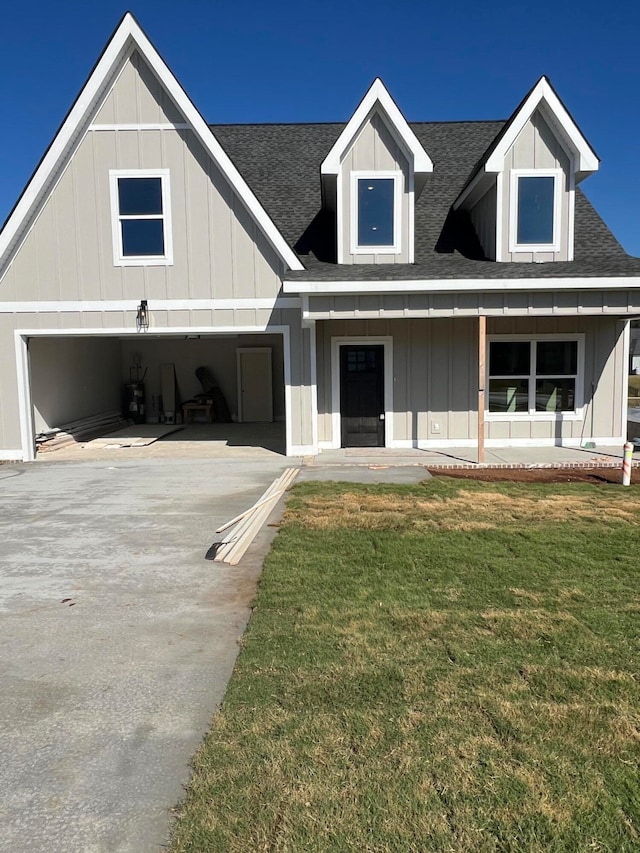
[435, 426]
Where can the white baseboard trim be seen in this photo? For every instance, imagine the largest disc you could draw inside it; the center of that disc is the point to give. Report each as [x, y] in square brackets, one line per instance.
[11, 455]
[443, 443]
[302, 450]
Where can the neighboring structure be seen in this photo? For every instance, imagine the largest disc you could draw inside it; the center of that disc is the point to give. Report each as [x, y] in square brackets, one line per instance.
[357, 267]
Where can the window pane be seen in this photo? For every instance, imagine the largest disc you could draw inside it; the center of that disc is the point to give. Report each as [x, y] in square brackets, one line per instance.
[375, 211]
[139, 196]
[508, 395]
[142, 237]
[555, 395]
[509, 358]
[554, 357]
[535, 210]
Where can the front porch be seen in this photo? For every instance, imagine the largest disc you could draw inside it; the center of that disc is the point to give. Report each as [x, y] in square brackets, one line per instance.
[602, 456]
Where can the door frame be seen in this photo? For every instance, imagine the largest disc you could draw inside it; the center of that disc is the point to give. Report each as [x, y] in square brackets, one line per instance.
[361, 340]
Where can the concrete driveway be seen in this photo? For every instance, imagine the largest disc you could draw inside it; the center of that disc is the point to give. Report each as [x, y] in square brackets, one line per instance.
[117, 640]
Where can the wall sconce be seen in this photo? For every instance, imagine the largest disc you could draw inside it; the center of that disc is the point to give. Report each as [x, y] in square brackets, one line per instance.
[142, 317]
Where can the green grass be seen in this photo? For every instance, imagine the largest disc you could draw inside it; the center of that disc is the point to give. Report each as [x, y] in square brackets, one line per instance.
[447, 667]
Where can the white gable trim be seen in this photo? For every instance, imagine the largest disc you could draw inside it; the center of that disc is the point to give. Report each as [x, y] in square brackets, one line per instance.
[377, 95]
[128, 36]
[586, 159]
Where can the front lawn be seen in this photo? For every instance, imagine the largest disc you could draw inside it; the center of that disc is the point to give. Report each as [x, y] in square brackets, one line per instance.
[445, 667]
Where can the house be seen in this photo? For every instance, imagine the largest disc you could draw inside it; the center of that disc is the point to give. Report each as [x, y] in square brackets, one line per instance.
[374, 283]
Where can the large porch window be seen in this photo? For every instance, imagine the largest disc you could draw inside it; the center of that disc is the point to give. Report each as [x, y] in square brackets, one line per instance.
[534, 376]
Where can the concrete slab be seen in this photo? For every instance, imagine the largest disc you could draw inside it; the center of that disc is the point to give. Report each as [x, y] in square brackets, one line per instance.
[365, 473]
[521, 456]
[117, 639]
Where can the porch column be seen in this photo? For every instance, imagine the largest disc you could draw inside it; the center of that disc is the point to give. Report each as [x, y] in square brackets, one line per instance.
[482, 343]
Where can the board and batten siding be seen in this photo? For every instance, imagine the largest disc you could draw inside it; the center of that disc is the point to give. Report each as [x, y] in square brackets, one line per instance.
[218, 251]
[536, 147]
[374, 150]
[435, 377]
[483, 217]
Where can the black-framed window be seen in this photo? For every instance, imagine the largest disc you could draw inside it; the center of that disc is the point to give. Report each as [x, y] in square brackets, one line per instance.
[533, 376]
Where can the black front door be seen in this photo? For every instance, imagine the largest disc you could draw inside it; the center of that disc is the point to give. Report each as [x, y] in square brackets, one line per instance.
[362, 396]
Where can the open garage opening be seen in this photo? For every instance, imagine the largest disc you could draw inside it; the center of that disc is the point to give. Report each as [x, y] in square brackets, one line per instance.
[221, 390]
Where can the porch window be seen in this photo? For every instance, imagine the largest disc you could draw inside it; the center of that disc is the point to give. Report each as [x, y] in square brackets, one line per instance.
[533, 376]
[141, 217]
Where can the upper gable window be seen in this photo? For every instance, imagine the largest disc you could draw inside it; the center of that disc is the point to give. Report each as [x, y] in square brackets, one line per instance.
[535, 210]
[375, 212]
[141, 221]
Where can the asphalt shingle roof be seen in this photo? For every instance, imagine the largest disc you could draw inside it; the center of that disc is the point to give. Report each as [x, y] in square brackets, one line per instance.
[281, 164]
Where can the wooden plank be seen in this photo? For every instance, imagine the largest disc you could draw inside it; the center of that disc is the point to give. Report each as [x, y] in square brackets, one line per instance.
[252, 520]
[482, 344]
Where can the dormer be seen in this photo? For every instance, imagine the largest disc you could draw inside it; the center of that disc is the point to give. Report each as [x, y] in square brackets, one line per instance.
[370, 180]
[521, 196]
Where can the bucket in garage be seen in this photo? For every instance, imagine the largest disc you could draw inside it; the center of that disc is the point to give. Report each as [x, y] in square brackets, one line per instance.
[133, 407]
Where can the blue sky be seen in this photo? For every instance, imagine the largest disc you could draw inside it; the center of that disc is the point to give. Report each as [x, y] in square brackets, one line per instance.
[250, 61]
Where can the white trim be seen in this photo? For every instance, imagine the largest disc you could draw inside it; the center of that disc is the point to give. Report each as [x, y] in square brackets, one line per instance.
[313, 369]
[302, 450]
[376, 95]
[542, 93]
[106, 305]
[12, 455]
[25, 403]
[128, 35]
[571, 230]
[119, 258]
[27, 431]
[624, 393]
[340, 288]
[532, 415]
[514, 190]
[336, 343]
[499, 215]
[448, 443]
[143, 126]
[398, 191]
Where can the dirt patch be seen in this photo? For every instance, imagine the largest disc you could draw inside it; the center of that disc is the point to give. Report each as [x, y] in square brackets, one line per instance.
[466, 511]
[601, 476]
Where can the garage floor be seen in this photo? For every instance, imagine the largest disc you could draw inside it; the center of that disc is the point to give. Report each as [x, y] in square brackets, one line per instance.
[117, 639]
[194, 441]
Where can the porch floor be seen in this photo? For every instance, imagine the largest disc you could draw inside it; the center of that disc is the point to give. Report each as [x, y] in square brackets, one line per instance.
[501, 457]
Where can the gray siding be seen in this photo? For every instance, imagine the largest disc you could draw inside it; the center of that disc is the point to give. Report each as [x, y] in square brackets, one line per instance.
[435, 377]
[374, 149]
[492, 303]
[483, 217]
[536, 147]
[68, 254]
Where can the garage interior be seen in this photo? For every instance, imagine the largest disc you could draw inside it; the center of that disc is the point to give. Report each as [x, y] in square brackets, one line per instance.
[73, 378]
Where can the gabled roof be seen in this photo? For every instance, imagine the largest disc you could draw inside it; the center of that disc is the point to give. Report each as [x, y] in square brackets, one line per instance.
[128, 37]
[545, 98]
[377, 97]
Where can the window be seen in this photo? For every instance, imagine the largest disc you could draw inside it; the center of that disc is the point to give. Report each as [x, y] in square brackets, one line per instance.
[141, 221]
[533, 377]
[535, 210]
[375, 212]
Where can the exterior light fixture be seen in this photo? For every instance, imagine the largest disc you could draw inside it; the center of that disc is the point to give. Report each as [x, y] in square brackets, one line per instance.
[142, 316]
